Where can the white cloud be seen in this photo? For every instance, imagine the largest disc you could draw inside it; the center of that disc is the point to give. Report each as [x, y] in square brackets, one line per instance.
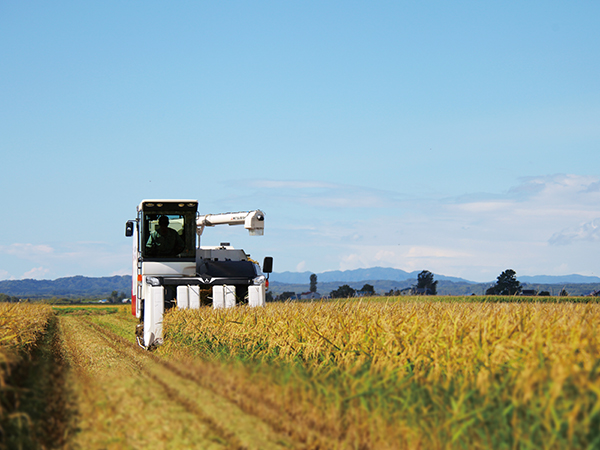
[407, 258]
[121, 272]
[27, 251]
[36, 273]
[539, 205]
[284, 184]
[434, 252]
[478, 236]
[484, 207]
[320, 226]
[593, 187]
[588, 231]
[65, 259]
[325, 195]
[558, 189]
[384, 255]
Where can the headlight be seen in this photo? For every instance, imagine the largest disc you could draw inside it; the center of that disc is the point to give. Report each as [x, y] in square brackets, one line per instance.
[259, 280]
[153, 281]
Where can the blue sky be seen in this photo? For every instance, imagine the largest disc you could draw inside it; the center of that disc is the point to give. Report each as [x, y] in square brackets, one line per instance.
[458, 137]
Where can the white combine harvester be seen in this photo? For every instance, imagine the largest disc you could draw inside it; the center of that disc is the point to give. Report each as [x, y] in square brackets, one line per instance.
[171, 269]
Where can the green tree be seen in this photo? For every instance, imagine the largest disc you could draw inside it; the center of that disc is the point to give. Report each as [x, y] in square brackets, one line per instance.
[425, 283]
[286, 295]
[344, 291]
[506, 284]
[114, 297]
[4, 298]
[367, 290]
[313, 283]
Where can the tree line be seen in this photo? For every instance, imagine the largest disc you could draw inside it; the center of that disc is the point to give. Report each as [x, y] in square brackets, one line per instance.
[506, 284]
[426, 285]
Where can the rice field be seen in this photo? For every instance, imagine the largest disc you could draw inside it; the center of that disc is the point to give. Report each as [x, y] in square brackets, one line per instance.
[407, 373]
[420, 374]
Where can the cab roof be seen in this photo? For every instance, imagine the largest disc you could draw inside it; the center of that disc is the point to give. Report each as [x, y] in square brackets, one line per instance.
[159, 202]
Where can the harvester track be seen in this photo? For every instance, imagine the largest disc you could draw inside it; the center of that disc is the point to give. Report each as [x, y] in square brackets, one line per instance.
[130, 398]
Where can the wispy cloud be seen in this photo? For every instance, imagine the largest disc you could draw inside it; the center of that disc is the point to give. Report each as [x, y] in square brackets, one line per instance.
[27, 251]
[476, 235]
[325, 195]
[327, 226]
[562, 198]
[533, 227]
[121, 272]
[485, 207]
[435, 252]
[284, 184]
[593, 187]
[36, 273]
[76, 258]
[558, 187]
[586, 232]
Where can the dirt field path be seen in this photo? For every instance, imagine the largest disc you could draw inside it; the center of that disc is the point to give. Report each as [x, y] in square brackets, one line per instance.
[125, 397]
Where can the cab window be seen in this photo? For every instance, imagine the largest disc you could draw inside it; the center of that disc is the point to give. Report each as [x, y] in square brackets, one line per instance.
[168, 235]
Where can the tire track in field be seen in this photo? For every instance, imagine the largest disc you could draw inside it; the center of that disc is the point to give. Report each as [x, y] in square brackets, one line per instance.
[209, 420]
[307, 434]
[121, 408]
[124, 348]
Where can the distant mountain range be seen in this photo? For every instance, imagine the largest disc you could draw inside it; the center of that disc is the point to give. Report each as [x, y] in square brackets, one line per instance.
[549, 279]
[382, 278]
[389, 274]
[79, 286]
[374, 273]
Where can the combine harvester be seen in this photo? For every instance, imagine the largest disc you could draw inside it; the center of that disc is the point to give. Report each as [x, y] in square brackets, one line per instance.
[170, 269]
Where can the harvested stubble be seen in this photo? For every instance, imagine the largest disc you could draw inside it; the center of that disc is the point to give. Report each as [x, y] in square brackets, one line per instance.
[416, 374]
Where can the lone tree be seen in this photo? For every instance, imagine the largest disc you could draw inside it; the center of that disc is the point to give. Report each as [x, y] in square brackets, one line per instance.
[344, 291]
[116, 297]
[367, 290]
[425, 283]
[313, 283]
[287, 295]
[506, 284]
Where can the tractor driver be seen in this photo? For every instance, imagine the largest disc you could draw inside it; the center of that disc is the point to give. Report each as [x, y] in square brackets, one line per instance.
[164, 241]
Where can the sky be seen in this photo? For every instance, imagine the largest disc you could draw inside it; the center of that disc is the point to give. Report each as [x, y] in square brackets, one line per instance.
[460, 137]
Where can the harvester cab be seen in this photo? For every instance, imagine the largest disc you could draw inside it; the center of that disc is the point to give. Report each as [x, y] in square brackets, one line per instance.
[170, 268]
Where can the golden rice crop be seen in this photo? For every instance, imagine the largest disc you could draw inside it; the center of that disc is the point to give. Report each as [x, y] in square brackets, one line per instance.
[21, 325]
[434, 339]
[486, 373]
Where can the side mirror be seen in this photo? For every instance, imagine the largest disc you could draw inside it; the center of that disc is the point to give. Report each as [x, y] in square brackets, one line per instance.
[129, 228]
[268, 264]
